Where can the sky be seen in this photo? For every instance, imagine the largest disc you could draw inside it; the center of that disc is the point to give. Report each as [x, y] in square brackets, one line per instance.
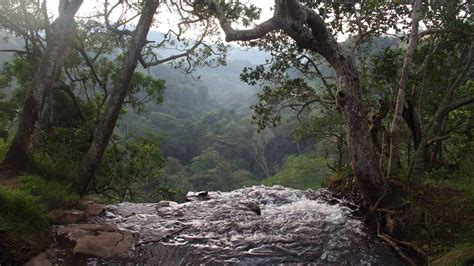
[90, 6]
[168, 21]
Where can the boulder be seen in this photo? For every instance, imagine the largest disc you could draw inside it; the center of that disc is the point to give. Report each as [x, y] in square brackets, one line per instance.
[197, 196]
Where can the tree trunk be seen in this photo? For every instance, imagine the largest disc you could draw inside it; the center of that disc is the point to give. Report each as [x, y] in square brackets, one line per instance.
[359, 140]
[348, 96]
[20, 152]
[376, 125]
[394, 158]
[309, 31]
[103, 132]
[413, 122]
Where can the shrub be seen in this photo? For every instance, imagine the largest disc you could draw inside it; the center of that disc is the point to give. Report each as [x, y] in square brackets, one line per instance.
[52, 193]
[20, 213]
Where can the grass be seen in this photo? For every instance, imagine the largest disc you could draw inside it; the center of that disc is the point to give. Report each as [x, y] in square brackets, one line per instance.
[20, 213]
[24, 210]
[459, 255]
[447, 208]
[23, 226]
[51, 193]
[25, 214]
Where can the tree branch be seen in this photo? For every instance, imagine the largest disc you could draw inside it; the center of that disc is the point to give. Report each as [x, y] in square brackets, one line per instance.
[258, 31]
[460, 103]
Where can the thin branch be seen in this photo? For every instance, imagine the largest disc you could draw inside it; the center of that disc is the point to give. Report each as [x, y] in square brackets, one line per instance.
[67, 89]
[445, 31]
[81, 50]
[114, 28]
[321, 76]
[14, 51]
[176, 56]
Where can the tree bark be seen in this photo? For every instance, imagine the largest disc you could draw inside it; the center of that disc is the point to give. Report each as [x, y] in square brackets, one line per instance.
[394, 156]
[19, 155]
[376, 124]
[103, 132]
[413, 122]
[309, 31]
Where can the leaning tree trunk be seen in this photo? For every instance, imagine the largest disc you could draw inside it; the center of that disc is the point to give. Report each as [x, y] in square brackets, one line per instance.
[103, 132]
[19, 155]
[310, 32]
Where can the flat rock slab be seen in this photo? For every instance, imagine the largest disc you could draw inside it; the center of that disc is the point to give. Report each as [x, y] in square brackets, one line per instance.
[98, 240]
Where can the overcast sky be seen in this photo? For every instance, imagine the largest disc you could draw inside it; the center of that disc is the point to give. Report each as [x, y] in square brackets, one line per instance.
[91, 6]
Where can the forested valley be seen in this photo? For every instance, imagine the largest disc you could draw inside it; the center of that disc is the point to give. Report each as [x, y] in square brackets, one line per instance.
[144, 101]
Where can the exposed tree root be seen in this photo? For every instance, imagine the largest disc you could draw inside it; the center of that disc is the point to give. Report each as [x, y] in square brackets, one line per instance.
[397, 248]
[412, 246]
[380, 213]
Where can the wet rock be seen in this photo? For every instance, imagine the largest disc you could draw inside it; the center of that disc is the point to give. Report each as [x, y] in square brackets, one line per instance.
[99, 240]
[164, 211]
[197, 196]
[251, 206]
[92, 209]
[69, 217]
[178, 213]
[165, 203]
[39, 260]
[166, 208]
[256, 225]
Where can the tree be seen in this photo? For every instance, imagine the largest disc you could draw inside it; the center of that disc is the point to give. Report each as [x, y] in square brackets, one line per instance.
[131, 168]
[298, 37]
[309, 31]
[90, 69]
[400, 103]
[90, 163]
[143, 51]
[50, 66]
[305, 31]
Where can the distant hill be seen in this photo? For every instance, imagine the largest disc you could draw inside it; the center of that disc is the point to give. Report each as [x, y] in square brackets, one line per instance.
[219, 86]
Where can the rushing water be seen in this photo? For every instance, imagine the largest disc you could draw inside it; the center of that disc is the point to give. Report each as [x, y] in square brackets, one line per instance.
[256, 225]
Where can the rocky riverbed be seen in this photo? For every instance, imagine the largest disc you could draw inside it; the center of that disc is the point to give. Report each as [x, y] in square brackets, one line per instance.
[256, 225]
